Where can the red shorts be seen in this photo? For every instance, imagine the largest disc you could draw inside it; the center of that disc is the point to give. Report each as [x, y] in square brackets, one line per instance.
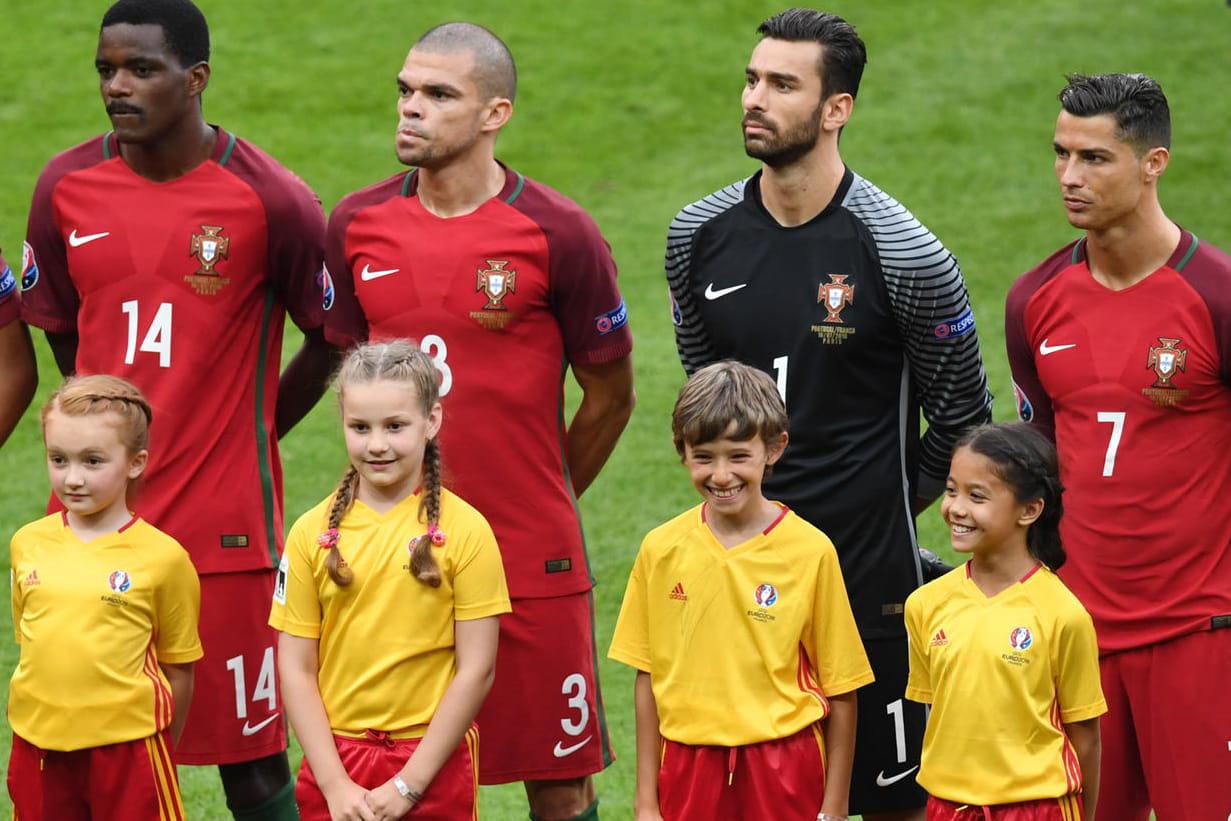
[1167, 731]
[133, 780]
[371, 761]
[236, 713]
[1066, 808]
[781, 779]
[543, 719]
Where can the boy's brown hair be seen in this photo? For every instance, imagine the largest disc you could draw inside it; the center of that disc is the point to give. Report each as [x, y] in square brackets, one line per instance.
[723, 393]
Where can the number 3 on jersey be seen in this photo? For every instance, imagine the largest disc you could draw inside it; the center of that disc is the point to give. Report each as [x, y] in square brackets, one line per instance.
[435, 347]
[157, 337]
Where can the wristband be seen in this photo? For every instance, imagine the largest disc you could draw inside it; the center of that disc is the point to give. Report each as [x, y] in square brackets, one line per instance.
[405, 791]
[828, 817]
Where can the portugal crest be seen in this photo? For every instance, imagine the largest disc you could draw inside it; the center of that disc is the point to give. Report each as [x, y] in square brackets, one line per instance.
[1166, 360]
[496, 282]
[835, 295]
[209, 249]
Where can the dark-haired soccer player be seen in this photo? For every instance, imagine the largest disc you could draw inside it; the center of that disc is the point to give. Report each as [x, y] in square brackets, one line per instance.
[813, 274]
[1120, 345]
[506, 284]
[169, 252]
[18, 367]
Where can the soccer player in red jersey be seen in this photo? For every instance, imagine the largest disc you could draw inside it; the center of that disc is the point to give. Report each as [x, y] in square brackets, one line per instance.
[18, 368]
[1120, 345]
[169, 252]
[505, 284]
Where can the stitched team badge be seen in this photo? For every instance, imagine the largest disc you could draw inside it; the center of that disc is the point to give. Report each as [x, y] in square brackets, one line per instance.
[496, 282]
[1166, 360]
[209, 249]
[835, 295]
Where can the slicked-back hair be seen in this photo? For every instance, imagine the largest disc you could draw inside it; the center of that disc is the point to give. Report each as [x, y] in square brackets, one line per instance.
[1025, 461]
[843, 53]
[723, 393]
[495, 73]
[104, 394]
[1136, 101]
[403, 362]
[183, 25]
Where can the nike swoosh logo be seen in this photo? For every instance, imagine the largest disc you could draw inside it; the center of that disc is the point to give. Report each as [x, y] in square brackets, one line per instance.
[1045, 349]
[881, 781]
[712, 293]
[77, 241]
[260, 725]
[561, 752]
[367, 275]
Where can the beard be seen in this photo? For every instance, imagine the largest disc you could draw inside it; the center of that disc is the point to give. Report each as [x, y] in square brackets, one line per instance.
[779, 148]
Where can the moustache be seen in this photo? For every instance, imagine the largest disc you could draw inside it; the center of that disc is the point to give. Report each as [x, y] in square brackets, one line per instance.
[122, 108]
[759, 120]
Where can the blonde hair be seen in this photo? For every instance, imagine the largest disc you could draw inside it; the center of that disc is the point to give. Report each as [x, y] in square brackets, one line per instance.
[726, 392]
[403, 362]
[101, 394]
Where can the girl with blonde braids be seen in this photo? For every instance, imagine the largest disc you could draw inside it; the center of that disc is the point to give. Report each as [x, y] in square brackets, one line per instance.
[105, 607]
[388, 601]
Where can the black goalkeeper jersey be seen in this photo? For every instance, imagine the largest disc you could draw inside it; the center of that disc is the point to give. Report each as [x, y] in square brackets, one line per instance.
[863, 319]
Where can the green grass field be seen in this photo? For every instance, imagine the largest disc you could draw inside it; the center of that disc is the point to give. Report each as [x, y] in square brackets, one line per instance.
[632, 108]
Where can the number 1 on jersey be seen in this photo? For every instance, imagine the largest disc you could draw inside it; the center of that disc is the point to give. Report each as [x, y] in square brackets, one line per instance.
[1116, 419]
[157, 337]
[780, 370]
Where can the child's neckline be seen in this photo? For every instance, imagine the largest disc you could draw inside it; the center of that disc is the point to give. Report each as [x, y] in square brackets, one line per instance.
[735, 538]
[89, 534]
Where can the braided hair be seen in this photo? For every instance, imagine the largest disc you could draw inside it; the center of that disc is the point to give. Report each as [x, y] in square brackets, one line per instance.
[403, 362]
[101, 394]
[1026, 461]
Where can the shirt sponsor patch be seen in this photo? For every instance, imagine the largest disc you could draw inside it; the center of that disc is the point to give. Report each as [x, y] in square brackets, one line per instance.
[954, 328]
[558, 565]
[8, 282]
[280, 583]
[234, 540]
[1025, 410]
[325, 283]
[613, 320]
[29, 268]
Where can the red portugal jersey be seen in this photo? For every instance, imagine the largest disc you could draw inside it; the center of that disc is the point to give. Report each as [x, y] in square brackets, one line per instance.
[1135, 386]
[182, 287]
[503, 299]
[10, 295]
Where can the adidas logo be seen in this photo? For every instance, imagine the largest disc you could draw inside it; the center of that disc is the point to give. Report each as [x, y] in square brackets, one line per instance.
[678, 593]
[940, 639]
[31, 579]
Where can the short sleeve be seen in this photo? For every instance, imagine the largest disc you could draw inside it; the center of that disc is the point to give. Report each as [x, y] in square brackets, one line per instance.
[631, 643]
[919, 683]
[1078, 685]
[479, 587]
[832, 637]
[178, 612]
[296, 607]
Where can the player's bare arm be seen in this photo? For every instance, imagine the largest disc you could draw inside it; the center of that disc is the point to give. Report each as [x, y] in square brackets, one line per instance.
[19, 377]
[64, 349]
[179, 676]
[1088, 744]
[305, 379]
[649, 751]
[607, 400]
[840, 752]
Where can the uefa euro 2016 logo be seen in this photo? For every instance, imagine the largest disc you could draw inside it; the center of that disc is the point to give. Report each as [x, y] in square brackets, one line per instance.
[1020, 638]
[119, 581]
[766, 595]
